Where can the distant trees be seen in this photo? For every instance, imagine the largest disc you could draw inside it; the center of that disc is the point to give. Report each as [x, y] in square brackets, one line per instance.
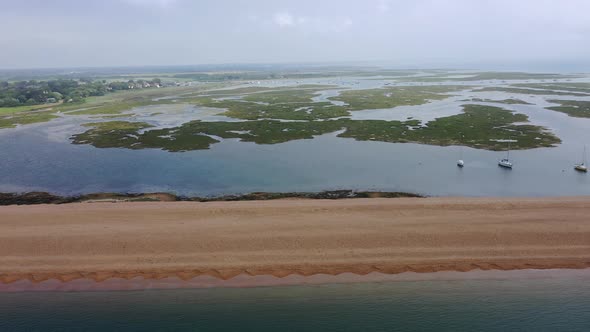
[39, 92]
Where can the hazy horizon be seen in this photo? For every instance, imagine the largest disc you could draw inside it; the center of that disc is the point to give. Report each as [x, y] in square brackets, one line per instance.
[462, 34]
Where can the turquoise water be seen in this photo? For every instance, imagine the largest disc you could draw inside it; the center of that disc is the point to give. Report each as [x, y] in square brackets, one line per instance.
[476, 305]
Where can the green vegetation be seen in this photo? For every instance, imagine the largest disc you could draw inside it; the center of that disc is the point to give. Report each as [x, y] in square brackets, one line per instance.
[479, 126]
[575, 108]
[279, 103]
[256, 89]
[16, 109]
[295, 103]
[123, 134]
[111, 104]
[395, 96]
[482, 127]
[302, 94]
[510, 101]
[525, 91]
[116, 108]
[121, 101]
[484, 76]
[565, 86]
[28, 93]
[194, 135]
[24, 118]
[296, 75]
[285, 111]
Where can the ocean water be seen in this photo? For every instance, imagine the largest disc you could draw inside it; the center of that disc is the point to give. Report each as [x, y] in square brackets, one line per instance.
[469, 305]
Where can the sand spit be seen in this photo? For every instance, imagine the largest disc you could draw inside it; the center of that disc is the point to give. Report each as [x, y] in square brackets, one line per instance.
[289, 238]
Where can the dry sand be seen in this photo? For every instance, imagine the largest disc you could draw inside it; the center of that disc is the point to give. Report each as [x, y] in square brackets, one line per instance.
[184, 240]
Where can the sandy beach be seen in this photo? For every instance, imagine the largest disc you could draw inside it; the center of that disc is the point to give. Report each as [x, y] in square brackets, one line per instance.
[185, 240]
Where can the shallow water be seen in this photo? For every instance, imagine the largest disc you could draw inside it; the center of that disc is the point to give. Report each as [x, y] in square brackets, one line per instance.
[40, 157]
[468, 305]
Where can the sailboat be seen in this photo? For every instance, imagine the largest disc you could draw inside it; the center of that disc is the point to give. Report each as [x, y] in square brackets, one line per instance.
[506, 161]
[581, 167]
[460, 162]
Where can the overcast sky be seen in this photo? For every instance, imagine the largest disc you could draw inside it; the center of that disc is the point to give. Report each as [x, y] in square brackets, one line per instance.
[73, 33]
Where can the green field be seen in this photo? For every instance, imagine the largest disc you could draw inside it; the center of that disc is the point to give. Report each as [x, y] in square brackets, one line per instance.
[16, 109]
[24, 118]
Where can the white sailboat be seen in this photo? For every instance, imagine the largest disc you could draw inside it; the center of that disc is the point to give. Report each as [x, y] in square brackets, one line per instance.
[460, 162]
[505, 162]
[581, 167]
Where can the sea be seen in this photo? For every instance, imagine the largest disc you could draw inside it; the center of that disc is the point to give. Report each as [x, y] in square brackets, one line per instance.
[545, 304]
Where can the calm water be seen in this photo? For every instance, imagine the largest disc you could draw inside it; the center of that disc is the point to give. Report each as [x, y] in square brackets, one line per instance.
[477, 305]
[40, 157]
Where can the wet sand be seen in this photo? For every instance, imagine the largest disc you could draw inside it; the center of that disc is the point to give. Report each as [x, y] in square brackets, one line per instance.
[170, 241]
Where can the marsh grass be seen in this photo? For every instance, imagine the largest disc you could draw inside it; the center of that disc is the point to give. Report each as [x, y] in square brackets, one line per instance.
[574, 108]
[479, 126]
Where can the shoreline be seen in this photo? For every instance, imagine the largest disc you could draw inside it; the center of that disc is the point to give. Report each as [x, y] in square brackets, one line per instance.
[42, 197]
[249, 281]
[289, 240]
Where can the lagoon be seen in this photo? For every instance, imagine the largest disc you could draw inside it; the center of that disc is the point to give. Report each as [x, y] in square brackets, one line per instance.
[40, 157]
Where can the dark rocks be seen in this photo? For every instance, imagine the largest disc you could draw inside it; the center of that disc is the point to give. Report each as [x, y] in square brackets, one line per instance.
[47, 198]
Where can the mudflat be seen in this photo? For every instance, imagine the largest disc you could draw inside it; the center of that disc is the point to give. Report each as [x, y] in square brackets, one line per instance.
[157, 240]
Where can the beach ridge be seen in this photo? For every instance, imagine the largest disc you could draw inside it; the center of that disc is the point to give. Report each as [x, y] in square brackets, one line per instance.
[156, 240]
[227, 274]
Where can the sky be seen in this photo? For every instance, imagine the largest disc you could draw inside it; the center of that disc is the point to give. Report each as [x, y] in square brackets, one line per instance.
[404, 33]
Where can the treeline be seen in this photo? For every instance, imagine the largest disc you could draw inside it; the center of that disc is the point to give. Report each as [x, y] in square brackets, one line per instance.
[62, 90]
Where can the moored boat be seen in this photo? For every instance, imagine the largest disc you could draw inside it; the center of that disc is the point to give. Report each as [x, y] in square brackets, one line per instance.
[581, 167]
[505, 162]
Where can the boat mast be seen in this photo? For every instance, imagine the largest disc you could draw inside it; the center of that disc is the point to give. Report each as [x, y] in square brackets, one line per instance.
[461, 147]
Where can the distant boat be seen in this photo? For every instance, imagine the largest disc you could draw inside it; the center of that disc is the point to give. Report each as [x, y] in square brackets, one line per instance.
[460, 162]
[581, 167]
[506, 163]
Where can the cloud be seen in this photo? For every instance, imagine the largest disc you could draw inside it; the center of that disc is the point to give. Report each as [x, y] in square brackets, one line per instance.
[383, 6]
[152, 3]
[284, 19]
[317, 24]
[416, 32]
